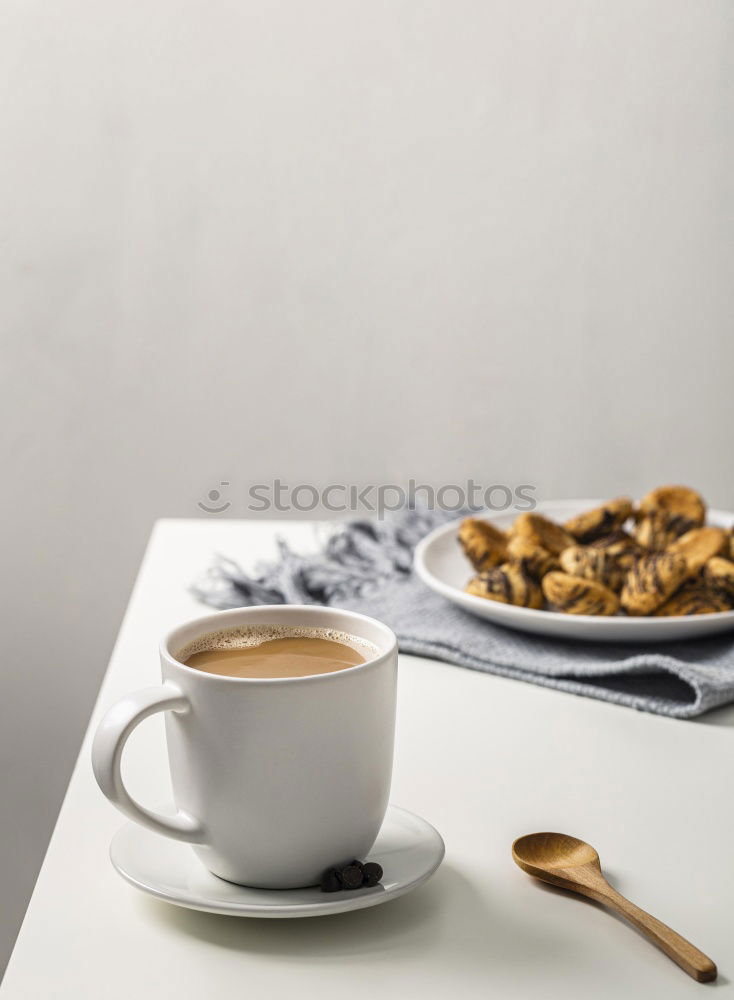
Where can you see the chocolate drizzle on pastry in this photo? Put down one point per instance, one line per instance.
(512, 583)
(485, 545)
(651, 581)
(592, 524)
(579, 597)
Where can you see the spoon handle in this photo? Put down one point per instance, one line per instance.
(688, 957)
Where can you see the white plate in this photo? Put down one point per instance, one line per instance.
(408, 848)
(441, 564)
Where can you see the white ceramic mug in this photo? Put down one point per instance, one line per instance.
(274, 779)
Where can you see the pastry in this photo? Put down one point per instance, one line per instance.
(592, 564)
(651, 581)
(719, 575)
(621, 545)
(600, 520)
(543, 532)
(538, 560)
(485, 546)
(657, 529)
(677, 501)
(698, 546)
(511, 583)
(696, 597)
(575, 596)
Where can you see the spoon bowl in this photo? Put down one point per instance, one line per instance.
(553, 850)
(570, 863)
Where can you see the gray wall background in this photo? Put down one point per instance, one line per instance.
(335, 241)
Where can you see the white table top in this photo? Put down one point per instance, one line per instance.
(484, 759)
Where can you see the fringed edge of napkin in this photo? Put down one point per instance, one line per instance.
(358, 558)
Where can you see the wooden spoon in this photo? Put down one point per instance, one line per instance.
(572, 864)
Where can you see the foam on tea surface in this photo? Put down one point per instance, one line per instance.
(271, 651)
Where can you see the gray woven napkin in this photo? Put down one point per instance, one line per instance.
(366, 566)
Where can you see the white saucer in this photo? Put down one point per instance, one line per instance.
(408, 848)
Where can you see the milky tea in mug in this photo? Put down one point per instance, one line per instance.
(276, 651)
(280, 727)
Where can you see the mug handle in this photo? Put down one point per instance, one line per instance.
(109, 742)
